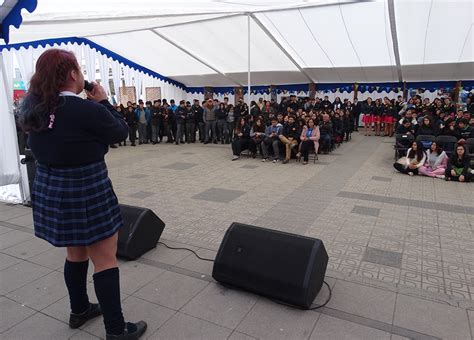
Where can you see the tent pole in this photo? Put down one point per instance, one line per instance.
(9, 96)
(248, 60)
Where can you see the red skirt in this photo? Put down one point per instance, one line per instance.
(376, 119)
(367, 119)
(389, 120)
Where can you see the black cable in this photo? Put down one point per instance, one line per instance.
(192, 251)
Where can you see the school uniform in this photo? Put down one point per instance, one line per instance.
(73, 200)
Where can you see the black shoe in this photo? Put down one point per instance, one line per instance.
(140, 328)
(206, 142)
(285, 161)
(177, 143)
(113, 146)
(77, 320)
(215, 142)
(133, 144)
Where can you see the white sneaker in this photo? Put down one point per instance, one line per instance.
(472, 172)
(441, 176)
(410, 173)
(234, 158)
(264, 159)
(276, 160)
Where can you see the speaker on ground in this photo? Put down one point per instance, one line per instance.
(282, 266)
(140, 232)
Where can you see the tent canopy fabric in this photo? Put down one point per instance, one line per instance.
(204, 42)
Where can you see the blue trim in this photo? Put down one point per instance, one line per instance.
(99, 48)
(14, 18)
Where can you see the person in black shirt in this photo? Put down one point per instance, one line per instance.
(326, 130)
(199, 122)
(426, 128)
(74, 204)
(356, 113)
(290, 137)
(326, 104)
(166, 117)
(132, 122)
(221, 114)
(155, 121)
(242, 138)
(190, 124)
(179, 117)
(458, 168)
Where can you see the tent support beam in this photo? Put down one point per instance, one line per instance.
(202, 61)
(393, 27)
(277, 43)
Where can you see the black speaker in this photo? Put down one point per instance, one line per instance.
(140, 232)
(282, 266)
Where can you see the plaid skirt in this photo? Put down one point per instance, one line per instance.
(74, 206)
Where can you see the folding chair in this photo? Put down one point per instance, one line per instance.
(447, 143)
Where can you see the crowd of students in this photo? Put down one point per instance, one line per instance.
(295, 126)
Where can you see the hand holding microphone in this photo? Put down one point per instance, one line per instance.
(94, 91)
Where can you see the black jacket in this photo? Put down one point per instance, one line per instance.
(291, 131)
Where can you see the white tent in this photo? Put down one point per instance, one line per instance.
(182, 46)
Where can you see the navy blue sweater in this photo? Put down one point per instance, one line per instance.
(81, 134)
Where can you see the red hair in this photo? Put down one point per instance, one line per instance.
(52, 70)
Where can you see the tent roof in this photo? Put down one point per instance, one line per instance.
(204, 42)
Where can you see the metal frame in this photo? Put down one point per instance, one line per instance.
(202, 61)
(393, 27)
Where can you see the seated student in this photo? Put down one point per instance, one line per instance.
(450, 129)
(272, 137)
(415, 158)
(464, 130)
(406, 128)
(289, 137)
(257, 134)
(309, 138)
(242, 138)
(458, 166)
(426, 128)
(436, 162)
(325, 129)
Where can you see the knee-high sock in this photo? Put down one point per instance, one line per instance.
(107, 289)
(75, 275)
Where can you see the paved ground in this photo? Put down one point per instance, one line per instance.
(401, 248)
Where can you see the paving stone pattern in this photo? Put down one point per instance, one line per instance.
(400, 248)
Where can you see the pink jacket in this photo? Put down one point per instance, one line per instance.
(314, 136)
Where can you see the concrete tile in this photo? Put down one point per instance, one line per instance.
(431, 318)
(12, 313)
(383, 257)
(23, 220)
(219, 195)
(184, 327)
(220, 305)
(19, 275)
(81, 335)
(168, 256)
(398, 337)
(39, 326)
(7, 261)
(28, 248)
(368, 211)
(41, 292)
(198, 265)
(180, 166)
(53, 258)
(364, 301)
(14, 237)
(134, 310)
(3, 229)
(14, 212)
(142, 194)
(171, 290)
(239, 336)
(470, 315)
(331, 328)
(135, 275)
(268, 320)
(381, 179)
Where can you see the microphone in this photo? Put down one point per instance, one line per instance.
(88, 86)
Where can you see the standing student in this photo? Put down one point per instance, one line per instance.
(179, 117)
(190, 124)
(367, 109)
(143, 116)
(209, 117)
(132, 122)
(73, 201)
(155, 121)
